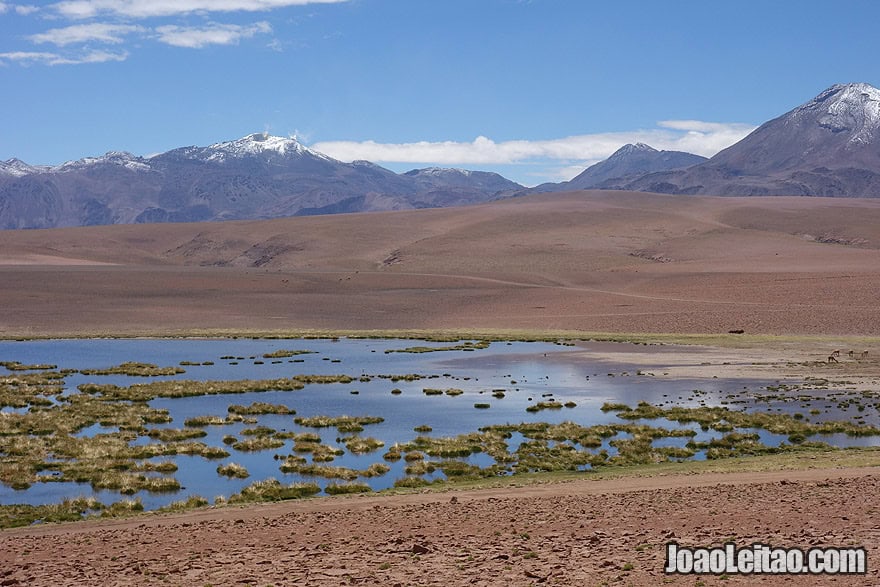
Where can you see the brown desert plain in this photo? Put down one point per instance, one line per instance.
(799, 276)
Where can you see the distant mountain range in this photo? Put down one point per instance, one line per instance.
(626, 164)
(829, 146)
(257, 176)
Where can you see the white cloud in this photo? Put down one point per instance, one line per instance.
(154, 8)
(674, 135)
(36, 57)
(84, 33)
(25, 9)
(212, 34)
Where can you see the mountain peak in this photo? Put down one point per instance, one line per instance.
(259, 143)
(853, 109)
(631, 148)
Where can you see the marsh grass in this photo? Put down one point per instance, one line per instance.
(274, 490)
(723, 419)
(260, 408)
(362, 444)
(347, 488)
(544, 406)
(257, 443)
(199, 421)
(344, 424)
(16, 366)
(135, 369)
(286, 354)
(464, 346)
(233, 470)
(69, 510)
(175, 434)
(190, 503)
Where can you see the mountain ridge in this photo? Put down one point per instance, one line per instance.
(255, 176)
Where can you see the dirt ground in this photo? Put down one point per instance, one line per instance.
(588, 261)
(573, 533)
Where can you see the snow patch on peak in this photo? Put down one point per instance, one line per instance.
(18, 168)
(852, 108)
(439, 171)
(255, 144)
(120, 158)
(630, 148)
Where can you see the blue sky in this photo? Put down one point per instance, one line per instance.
(535, 90)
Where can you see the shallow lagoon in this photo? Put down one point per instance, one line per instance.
(527, 372)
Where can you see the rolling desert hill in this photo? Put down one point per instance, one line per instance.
(593, 261)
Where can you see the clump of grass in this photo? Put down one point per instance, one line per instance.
(135, 369)
(482, 406)
(465, 346)
(411, 482)
(257, 443)
(375, 470)
(313, 470)
(423, 428)
(544, 406)
(199, 421)
(341, 423)
(362, 444)
(69, 510)
(345, 488)
(16, 366)
(285, 354)
(260, 408)
(175, 434)
(259, 431)
(274, 490)
(233, 470)
(432, 391)
(125, 507)
(190, 503)
(453, 392)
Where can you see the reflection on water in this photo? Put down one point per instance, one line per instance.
(523, 373)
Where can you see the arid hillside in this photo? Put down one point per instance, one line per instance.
(592, 261)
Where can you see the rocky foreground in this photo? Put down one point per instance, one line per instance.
(575, 533)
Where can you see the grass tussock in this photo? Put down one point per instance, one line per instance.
(233, 470)
(274, 490)
(346, 488)
(135, 369)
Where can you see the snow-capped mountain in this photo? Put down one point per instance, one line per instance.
(16, 168)
(256, 176)
(829, 146)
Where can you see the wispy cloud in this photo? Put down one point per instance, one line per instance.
(43, 58)
(21, 9)
(212, 34)
(84, 33)
(673, 135)
(566, 157)
(156, 8)
(115, 22)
